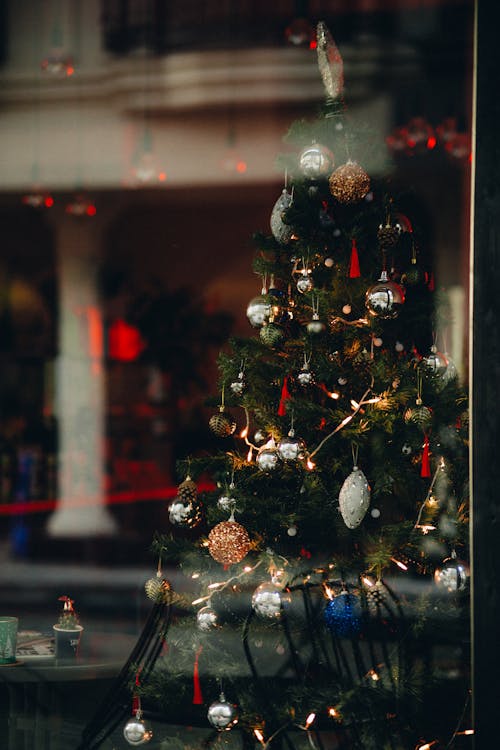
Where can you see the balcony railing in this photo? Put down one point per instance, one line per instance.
(160, 26)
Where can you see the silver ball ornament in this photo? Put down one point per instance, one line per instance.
(183, 512)
(384, 299)
(207, 619)
(226, 503)
(453, 575)
(258, 311)
(238, 386)
(305, 283)
(291, 448)
(315, 325)
(316, 161)
(136, 732)
(436, 362)
(268, 601)
(222, 715)
(305, 377)
(267, 458)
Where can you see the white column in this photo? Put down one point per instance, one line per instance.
(80, 386)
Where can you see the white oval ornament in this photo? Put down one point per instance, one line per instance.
(354, 498)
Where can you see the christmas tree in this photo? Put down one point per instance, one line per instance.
(325, 587)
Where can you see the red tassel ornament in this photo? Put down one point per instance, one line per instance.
(426, 464)
(285, 396)
(197, 695)
(354, 272)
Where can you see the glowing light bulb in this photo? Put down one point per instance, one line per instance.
(259, 735)
(399, 564)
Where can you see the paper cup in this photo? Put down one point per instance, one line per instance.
(67, 642)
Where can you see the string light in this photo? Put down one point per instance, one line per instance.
(332, 712)
(399, 564)
(221, 585)
(310, 720)
(244, 432)
(259, 736)
(310, 464)
(425, 528)
(367, 581)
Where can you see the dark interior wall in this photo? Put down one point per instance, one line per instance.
(200, 239)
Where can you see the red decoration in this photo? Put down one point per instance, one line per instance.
(197, 696)
(285, 396)
(426, 464)
(124, 342)
(136, 699)
(354, 272)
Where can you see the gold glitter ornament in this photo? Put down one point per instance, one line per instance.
(349, 183)
(228, 542)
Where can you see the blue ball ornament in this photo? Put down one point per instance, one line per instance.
(343, 615)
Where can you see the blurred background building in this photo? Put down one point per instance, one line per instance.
(139, 147)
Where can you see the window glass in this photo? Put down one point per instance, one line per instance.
(233, 393)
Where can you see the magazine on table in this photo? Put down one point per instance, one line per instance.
(32, 644)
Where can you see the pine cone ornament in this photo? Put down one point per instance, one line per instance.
(187, 490)
(388, 235)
